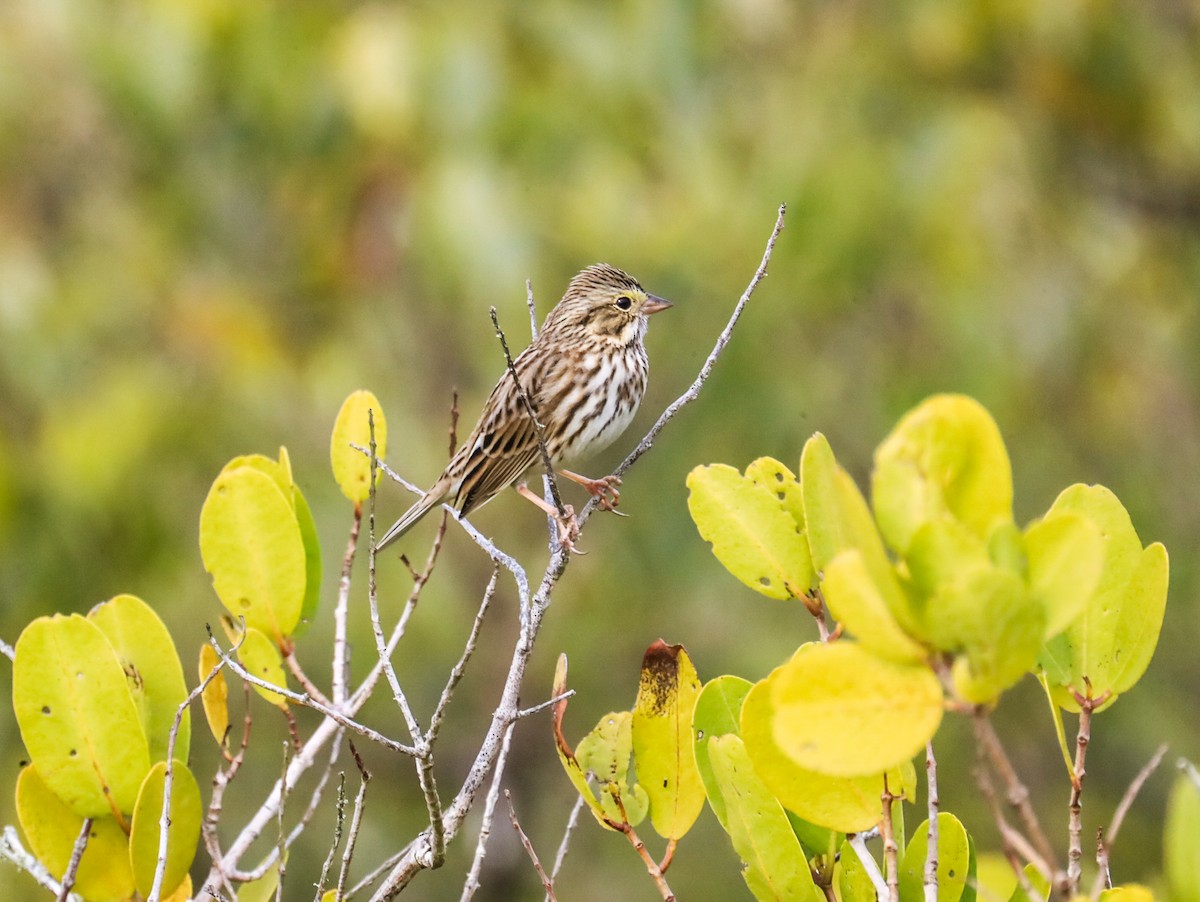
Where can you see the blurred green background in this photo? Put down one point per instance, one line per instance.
(219, 218)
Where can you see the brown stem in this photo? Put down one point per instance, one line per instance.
(891, 851)
(1102, 848)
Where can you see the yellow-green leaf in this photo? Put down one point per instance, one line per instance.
(776, 478)
(718, 711)
(1181, 840)
(576, 772)
(1111, 642)
(251, 544)
(844, 804)
(776, 867)
(351, 468)
(945, 457)
(662, 739)
(751, 533)
(1065, 553)
(858, 603)
(183, 831)
(995, 876)
(606, 752)
(312, 561)
(51, 828)
(280, 470)
(853, 881)
(77, 718)
(264, 889)
(954, 861)
(260, 657)
(843, 711)
(152, 669)
(837, 519)
(215, 697)
(1128, 892)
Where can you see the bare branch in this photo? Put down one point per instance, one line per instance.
(533, 317)
(7, 650)
(1070, 886)
(533, 857)
(340, 811)
(1103, 878)
(565, 843)
(933, 803)
(859, 845)
(81, 841)
(485, 826)
(12, 850)
(355, 822)
(891, 851)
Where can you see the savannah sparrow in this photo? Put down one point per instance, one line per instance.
(585, 373)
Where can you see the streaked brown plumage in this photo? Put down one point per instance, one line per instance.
(586, 374)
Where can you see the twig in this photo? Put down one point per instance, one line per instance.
(1103, 848)
(12, 850)
(471, 885)
(565, 843)
(1017, 848)
(1017, 793)
(933, 804)
(1075, 816)
(81, 841)
(341, 662)
(533, 857)
(891, 851)
(533, 317)
(858, 844)
(338, 824)
(7, 650)
(355, 822)
(281, 842)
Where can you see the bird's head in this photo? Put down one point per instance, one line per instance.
(607, 303)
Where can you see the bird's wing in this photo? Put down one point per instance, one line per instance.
(503, 444)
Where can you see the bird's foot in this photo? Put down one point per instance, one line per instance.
(604, 490)
(568, 529)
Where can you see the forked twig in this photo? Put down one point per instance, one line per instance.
(1104, 847)
(529, 850)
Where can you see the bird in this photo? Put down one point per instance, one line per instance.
(585, 374)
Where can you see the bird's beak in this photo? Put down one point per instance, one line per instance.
(655, 304)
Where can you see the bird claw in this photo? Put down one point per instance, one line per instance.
(568, 529)
(601, 489)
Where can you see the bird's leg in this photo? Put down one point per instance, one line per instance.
(568, 529)
(599, 488)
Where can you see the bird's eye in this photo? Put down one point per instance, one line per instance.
(624, 303)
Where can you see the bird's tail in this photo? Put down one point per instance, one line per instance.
(409, 519)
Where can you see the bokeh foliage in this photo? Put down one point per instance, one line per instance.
(217, 219)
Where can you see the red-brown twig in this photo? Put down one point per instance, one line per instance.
(533, 856)
(1103, 879)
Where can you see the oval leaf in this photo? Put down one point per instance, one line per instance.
(1065, 554)
(51, 829)
(251, 545)
(260, 657)
(751, 534)
(77, 718)
(776, 867)
(152, 668)
(352, 468)
(954, 861)
(945, 456)
(662, 739)
(1181, 840)
(844, 804)
(841, 710)
(215, 696)
(858, 604)
(718, 711)
(183, 830)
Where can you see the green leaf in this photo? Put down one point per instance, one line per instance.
(843, 711)
(264, 889)
(215, 697)
(77, 718)
(954, 860)
(718, 710)
(1112, 640)
(662, 739)
(843, 804)
(995, 877)
(945, 457)
(1065, 554)
(183, 831)
(576, 772)
(940, 552)
(51, 828)
(252, 546)
(152, 669)
(1129, 892)
(260, 657)
(1181, 840)
(312, 562)
(751, 533)
(776, 867)
(776, 478)
(351, 468)
(989, 616)
(854, 883)
(606, 752)
(857, 602)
